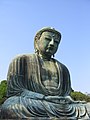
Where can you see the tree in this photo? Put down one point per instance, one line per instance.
(3, 90)
(80, 96)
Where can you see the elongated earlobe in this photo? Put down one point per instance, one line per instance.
(36, 51)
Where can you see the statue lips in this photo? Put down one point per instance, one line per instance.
(50, 48)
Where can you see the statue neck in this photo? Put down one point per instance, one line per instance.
(44, 57)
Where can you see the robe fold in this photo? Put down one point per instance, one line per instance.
(24, 73)
(26, 91)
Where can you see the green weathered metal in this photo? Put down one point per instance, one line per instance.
(39, 86)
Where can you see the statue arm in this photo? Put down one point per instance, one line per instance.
(17, 79)
(32, 95)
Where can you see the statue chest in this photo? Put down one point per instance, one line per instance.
(49, 74)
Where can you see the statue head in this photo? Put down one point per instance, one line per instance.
(46, 41)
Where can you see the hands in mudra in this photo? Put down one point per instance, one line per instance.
(61, 99)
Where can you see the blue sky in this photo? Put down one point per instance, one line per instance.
(21, 19)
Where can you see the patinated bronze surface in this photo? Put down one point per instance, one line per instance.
(39, 85)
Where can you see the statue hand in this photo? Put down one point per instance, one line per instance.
(54, 99)
(61, 99)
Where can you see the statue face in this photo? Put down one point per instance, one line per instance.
(48, 43)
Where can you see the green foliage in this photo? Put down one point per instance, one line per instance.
(3, 89)
(80, 96)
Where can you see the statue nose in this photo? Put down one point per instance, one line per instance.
(51, 42)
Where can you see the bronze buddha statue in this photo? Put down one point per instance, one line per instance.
(39, 85)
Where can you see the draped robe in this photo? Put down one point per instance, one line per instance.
(26, 92)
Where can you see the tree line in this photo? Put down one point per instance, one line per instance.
(74, 94)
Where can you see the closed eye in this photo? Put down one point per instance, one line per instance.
(49, 39)
(56, 41)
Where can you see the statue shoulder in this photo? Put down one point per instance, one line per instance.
(19, 63)
(22, 57)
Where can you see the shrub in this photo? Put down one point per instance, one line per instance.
(3, 90)
(80, 96)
